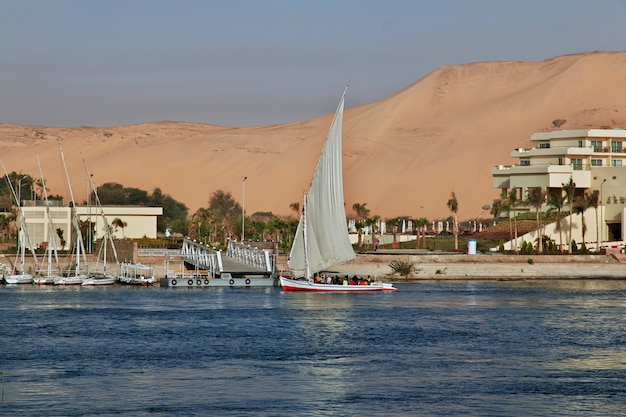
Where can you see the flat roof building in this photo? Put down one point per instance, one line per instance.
(138, 221)
(593, 158)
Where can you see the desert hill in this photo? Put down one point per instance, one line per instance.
(403, 155)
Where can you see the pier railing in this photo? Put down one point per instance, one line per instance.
(202, 256)
(259, 258)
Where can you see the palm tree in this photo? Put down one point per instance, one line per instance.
(581, 204)
(594, 200)
(295, 206)
(569, 188)
(362, 212)
(536, 197)
(496, 209)
(556, 202)
(117, 222)
(453, 205)
(421, 223)
(372, 222)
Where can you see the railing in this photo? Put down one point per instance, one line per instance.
(157, 252)
(259, 258)
(202, 256)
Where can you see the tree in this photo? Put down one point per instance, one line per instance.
(295, 206)
(112, 193)
(174, 212)
(536, 197)
(512, 203)
(581, 204)
(372, 222)
(594, 201)
(119, 223)
(453, 205)
(361, 211)
(421, 224)
(225, 211)
(496, 209)
(569, 188)
(556, 200)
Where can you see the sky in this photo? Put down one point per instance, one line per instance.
(68, 63)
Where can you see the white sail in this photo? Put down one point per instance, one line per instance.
(322, 238)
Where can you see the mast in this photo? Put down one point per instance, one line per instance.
(307, 268)
(80, 247)
(51, 238)
(323, 220)
(23, 230)
(104, 219)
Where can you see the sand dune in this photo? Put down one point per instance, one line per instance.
(403, 155)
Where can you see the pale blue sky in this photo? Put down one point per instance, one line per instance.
(245, 62)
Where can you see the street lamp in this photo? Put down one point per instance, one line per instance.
(601, 216)
(243, 209)
(19, 190)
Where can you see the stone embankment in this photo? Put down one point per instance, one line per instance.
(490, 267)
(445, 266)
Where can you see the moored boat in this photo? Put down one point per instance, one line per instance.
(322, 238)
(98, 279)
(18, 279)
(136, 274)
(307, 285)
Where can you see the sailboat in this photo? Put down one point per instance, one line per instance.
(322, 239)
(96, 276)
(77, 276)
(19, 276)
(47, 277)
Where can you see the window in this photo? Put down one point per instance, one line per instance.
(577, 164)
(544, 145)
(580, 143)
(616, 146)
(561, 161)
(616, 163)
(524, 162)
(596, 162)
(596, 145)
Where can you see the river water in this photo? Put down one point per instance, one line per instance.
(540, 348)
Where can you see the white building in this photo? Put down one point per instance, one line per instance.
(593, 158)
(139, 221)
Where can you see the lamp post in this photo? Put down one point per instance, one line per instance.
(243, 209)
(601, 216)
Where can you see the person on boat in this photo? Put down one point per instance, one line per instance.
(329, 280)
(352, 281)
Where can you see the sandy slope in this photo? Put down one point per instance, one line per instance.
(403, 155)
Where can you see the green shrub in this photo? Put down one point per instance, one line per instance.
(403, 268)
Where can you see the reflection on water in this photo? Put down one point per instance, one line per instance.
(434, 348)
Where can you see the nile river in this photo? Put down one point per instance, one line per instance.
(540, 348)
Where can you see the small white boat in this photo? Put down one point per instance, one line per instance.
(99, 279)
(322, 238)
(18, 279)
(71, 280)
(46, 279)
(136, 274)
